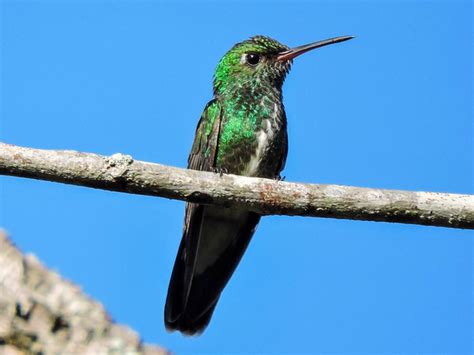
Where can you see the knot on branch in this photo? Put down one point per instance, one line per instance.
(117, 165)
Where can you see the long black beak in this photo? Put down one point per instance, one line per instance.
(294, 52)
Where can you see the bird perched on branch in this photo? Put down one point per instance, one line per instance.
(241, 131)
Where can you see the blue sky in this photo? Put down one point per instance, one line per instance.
(389, 109)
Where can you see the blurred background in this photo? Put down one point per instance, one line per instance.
(390, 109)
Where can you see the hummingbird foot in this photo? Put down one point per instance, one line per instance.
(280, 178)
(220, 170)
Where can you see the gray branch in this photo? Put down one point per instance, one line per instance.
(124, 174)
(41, 313)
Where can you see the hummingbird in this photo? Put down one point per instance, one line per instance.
(242, 131)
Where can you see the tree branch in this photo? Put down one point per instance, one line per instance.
(121, 173)
(41, 313)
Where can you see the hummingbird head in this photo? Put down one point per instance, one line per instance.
(251, 64)
(259, 62)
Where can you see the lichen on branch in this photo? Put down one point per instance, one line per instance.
(124, 174)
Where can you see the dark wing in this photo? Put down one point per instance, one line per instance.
(202, 157)
(204, 150)
(214, 240)
(284, 148)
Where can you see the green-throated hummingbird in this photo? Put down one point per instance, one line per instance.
(241, 131)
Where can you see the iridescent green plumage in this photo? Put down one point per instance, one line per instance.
(246, 96)
(241, 131)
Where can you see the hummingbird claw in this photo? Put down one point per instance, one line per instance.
(220, 170)
(280, 178)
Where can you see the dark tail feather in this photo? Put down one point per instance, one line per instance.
(192, 326)
(192, 300)
(182, 275)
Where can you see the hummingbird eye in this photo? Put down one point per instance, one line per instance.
(252, 59)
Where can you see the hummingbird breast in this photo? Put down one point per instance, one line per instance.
(253, 139)
(264, 140)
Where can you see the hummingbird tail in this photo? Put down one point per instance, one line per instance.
(191, 326)
(213, 243)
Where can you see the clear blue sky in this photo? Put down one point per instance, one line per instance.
(390, 109)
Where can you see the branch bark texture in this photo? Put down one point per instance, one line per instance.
(41, 313)
(124, 174)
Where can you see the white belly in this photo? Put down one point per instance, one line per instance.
(264, 139)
